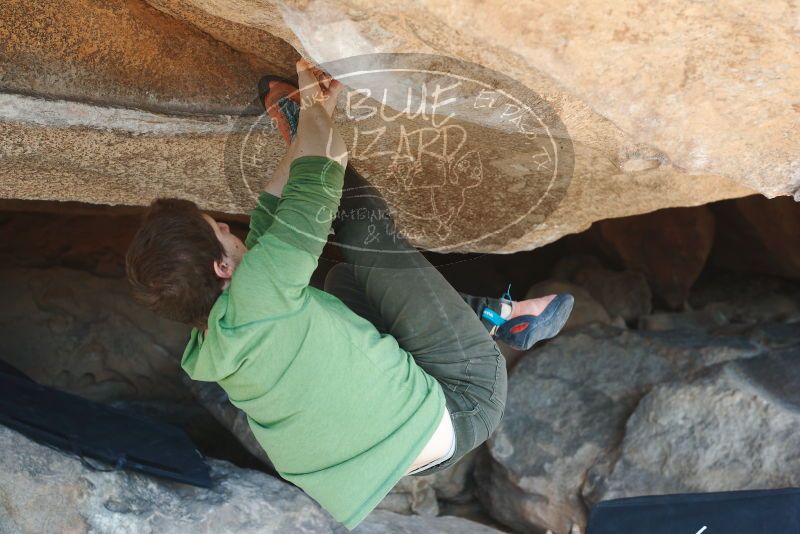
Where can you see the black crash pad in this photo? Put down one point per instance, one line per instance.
(93, 430)
(729, 512)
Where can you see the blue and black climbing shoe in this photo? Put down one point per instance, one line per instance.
(524, 331)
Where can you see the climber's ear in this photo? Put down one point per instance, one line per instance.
(224, 268)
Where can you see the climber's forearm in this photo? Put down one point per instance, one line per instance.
(281, 174)
(317, 135)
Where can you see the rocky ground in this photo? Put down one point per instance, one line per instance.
(604, 412)
(47, 491)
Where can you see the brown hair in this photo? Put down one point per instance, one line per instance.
(169, 263)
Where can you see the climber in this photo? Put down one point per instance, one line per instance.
(389, 371)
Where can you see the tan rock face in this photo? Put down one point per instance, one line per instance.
(713, 85)
(125, 53)
(669, 104)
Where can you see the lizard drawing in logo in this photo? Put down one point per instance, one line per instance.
(439, 184)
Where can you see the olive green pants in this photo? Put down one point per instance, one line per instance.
(388, 282)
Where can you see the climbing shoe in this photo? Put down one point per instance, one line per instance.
(281, 100)
(524, 331)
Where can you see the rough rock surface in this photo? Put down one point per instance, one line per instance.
(84, 334)
(622, 293)
(586, 309)
(57, 239)
(736, 429)
(691, 320)
(45, 490)
(766, 229)
(119, 102)
(708, 84)
(670, 247)
(591, 50)
(566, 411)
(127, 54)
(748, 300)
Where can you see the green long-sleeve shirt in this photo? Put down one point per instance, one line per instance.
(341, 410)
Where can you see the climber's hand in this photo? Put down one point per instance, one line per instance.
(317, 134)
(317, 86)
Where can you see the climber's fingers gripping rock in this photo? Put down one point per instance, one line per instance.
(317, 86)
